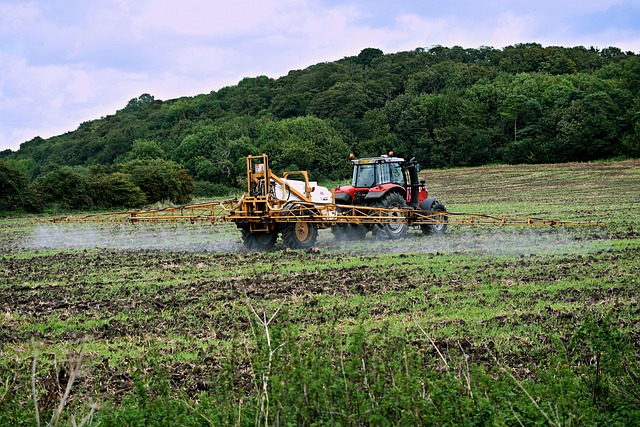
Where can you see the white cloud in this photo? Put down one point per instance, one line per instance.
(206, 18)
(15, 17)
(510, 27)
(65, 62)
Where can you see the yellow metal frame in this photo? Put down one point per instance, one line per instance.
(201, 212)
(261, 211)
(262, 215)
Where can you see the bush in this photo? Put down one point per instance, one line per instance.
(116, 189)
(16, 194)
(64, 188)
(161, 180)
(210, 189)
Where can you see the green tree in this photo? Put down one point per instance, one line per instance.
(161, 180)
(201, 143)
(286, 105)
(114, 190)
(525, 102)
(379, 139)
(624, 74)
(136, 104)
(239, 149)
(64, 188)
(305, 143)
(588, 129)
(16, 193)
(367, 56)
(448, 76)
(418, 120)
(461, 145)
(522, 58)
(631, 141)
(342, 100)
(251, 96)
(143, 149)
(318, 78)
(207, 155)
(521, 115)
(558, 63)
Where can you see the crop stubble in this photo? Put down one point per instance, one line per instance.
(507, 293)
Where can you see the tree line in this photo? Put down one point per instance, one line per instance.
(448, 107)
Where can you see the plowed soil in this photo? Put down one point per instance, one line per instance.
(179, 300)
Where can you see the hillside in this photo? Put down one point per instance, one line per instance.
(445, 106)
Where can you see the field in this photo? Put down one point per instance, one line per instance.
(179, 325)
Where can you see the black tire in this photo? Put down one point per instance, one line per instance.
(299, 235)
(435, 229)
(258, 241)
(392, 231)
(348, 232)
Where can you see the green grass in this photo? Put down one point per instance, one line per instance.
(482, 326)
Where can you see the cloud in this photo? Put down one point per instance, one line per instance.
(53, 98)
(65, 62)
(203, 18)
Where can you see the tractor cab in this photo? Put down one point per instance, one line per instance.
(373, 172)
(374, 177)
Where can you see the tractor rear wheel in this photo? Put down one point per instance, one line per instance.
(393, 230)
(299, 234)
(436, 228)
(263, 241)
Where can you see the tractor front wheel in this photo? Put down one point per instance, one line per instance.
(349, 232)
(346, 232)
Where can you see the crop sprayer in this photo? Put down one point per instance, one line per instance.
(385, 197)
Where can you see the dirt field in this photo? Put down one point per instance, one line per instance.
(176, 302)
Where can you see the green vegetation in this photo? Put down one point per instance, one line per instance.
(492, 326)
(16, 194)
(446, 106)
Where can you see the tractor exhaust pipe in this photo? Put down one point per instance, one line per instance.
(412, 167)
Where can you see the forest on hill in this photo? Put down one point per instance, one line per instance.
(448, 107)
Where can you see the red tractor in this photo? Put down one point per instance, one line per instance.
(386, 182)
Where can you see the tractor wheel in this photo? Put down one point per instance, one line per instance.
(436, 228)
(348, 232)
(392, 231)
(299, 235)
(258, 241)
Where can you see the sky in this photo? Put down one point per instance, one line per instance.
(64, 62)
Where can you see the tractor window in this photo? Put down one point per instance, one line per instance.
(397, 176)
(385, 173)
(364, 176)
(391, 172)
